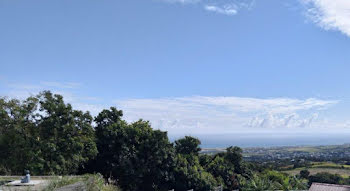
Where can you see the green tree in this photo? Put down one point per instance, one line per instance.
(234, 156)
(284, 181)
(188, 145)
(304, 174)
(109, 146)
(18, 135)
(223, 172)
(66, 136)
(257, 183)
(325, 177)
(189, 174)
(45, 135)
(139, 157)
(271, 180)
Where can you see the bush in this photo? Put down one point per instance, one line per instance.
(325, 177)
(304, 174)
(60, 182)
(96, 182)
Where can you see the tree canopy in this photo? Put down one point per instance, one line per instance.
(45, 135)
(188, 145)
(135, 154)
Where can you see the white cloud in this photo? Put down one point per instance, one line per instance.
(62, 85)
(66, 89)
(292, 120)
(226, 7)
(223, 114)
(182, 1)
(330, 14)
(199, 114)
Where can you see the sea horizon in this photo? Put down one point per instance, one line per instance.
(277, 140)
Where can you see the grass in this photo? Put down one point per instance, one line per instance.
(96, 182)
(89, 182)
(92, 182)
(333, 168)
(303, 149)
(2, 182)
(329, 165)
(60, 182)
(343, 172)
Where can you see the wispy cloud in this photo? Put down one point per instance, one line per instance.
(197, 114)
(329, 14)
(182, 1)
(67, 89)
(224, 114)
(226, 7)
(62, 85)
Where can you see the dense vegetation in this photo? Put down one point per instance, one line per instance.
(44, 135)
(47, 136)
(88, 182)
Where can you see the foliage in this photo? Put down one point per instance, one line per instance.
(257, 183)
(66, 135)
(18, 143)
(234, 156)
(188, 146)
(96, 182)
(223, 171)
(272, 180)
(304, 174)
(60, 182)
(189, 174)
(135, 154)
(88, 182)
(325, 177)
(284, 181)
(45, 135)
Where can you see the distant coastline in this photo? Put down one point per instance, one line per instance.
(270, 140)
(296, 147)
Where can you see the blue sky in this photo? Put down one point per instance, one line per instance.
(188, 66)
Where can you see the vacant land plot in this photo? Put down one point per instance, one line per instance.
(342, 172)
(303, 149)
(329, 165)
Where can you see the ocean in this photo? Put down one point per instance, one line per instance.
(269, 140)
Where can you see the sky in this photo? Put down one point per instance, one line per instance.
(188, 66)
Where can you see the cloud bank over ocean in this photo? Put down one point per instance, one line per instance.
(225, 114)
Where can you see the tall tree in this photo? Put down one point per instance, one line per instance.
(45, 135)
(304, 173)
(139, 157)
(108, 123)
(66, 135)
(223, 171)
(234, 156)
(188, 145)
(18, 135)
(189, 174)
